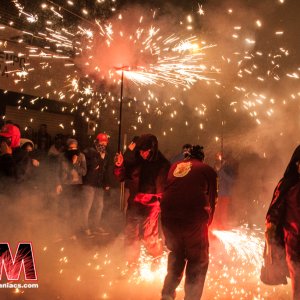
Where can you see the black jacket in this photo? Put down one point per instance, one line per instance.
(191, 192)
(284, 213)
(144, 176)
(15, 166)
(97, 168)
(8, 166)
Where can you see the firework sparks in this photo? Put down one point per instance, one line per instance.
(234, 269)
(246, 245)
(153, 59)
(157, 56)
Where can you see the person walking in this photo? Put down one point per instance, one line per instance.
(187, 209)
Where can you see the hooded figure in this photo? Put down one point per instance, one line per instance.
(26, 144)
(283, 230)
(147, 175)
(71, 169)
(12, 133)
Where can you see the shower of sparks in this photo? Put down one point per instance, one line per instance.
(234, 269)
(151, 58)
(157, 56)
(200, 10)
(243, 243)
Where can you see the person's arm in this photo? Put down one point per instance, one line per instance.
(108, 163)
(80, 165)
(276, 208)
(275, 211)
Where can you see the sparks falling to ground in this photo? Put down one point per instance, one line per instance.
(234, 270)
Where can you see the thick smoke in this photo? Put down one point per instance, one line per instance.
(91, 269)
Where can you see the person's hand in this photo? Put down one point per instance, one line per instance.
(270, 231)
(131, 146)
(5, 149)
(119, 159)
(74, 159)
(107, 188)
(59, 189)
(35, 162)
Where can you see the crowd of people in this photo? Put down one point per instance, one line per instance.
(74, 175)
(167, 203)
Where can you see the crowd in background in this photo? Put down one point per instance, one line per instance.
(59, 167)
(181, 194)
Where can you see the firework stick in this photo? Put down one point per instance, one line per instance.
(122, 187)
(120, 113)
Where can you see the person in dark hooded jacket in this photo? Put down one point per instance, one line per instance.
(147, 177)
(283, 223)
(187, 209)
(71, 169)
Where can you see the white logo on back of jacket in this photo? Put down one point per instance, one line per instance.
(182, 169)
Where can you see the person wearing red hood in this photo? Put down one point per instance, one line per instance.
(147, 176)
(14, 163)
(283, 230)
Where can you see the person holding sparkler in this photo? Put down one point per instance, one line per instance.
(283, 230)
(147, 181)
(187, 209)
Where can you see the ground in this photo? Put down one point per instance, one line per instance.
(95, 268)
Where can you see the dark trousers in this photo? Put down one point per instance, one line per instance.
(142, 224)
(92, 209)
(188, 245)
(71, 206)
